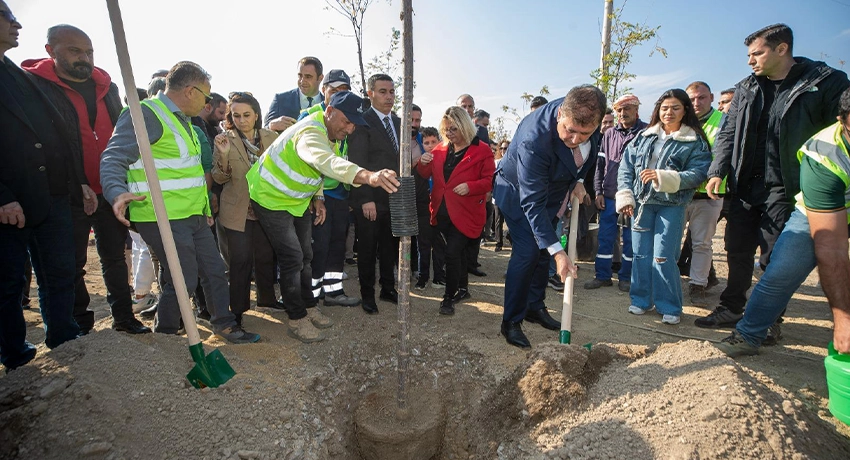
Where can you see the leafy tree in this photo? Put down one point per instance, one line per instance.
(625, 37)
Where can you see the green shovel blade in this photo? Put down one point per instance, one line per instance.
(211, 370)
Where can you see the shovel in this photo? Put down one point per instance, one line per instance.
(567, 311)
(211, 370)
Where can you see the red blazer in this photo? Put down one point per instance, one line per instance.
(468, 213)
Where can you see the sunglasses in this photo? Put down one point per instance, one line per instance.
(239, 94)
(9, 16)
(207, 97)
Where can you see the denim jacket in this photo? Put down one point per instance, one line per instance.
(682, 166)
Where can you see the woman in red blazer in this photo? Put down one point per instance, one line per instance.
(462, 167)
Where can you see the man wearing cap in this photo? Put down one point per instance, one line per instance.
(614, 143)
(287, 180)
(329, 236)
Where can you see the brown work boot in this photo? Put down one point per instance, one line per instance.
(303, 330)
(318, 318)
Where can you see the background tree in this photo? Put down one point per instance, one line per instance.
(625, 36)
(389, 62)
(498, 126)
(353, 11)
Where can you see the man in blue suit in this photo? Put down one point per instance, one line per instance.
(285, 107)
(551, 153)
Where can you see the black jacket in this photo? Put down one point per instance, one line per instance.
(23, 175)
(808, 106)
(371, 148)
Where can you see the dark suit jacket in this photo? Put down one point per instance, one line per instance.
(23, 175)
(371, 148)
(537, 171)
(287, 104)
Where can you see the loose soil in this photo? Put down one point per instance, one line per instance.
(644, 390)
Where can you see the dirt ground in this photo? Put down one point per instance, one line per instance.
(645, 390)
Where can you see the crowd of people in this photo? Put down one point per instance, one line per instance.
(289, 198)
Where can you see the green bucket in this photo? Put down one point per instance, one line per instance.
(838, 382)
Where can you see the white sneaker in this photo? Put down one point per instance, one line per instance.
(140, 305)
(670, 319)
(639, 311)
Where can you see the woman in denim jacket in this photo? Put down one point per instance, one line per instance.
(661, 169)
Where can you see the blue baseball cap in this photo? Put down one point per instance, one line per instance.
(336, 78)
(351, 105)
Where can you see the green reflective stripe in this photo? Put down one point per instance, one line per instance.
(168, 185)
(138, 175)
(267, 175)
(828, 149)
(164, 116)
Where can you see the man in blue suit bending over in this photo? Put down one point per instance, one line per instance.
(552, 150)
(286, 107)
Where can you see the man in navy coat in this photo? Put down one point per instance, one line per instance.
(286, 107)
(551, 153)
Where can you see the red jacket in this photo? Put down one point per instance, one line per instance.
(93, 142)
(468, 213)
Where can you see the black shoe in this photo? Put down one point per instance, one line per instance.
(149, 313)
(462, 293)
(341, 300)
(389, 295)
(514, 335)
(447, 308)
(555, 283)
(421, 284)
(278, 305)
(476, 272)
(438, 283)
(542, 318)
(774, 334)
(131, 326)
(370, 307)
(350, 261)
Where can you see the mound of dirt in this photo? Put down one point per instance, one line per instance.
(681, 401)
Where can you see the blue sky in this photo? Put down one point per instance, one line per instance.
(495, 50)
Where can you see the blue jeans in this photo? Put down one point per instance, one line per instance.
(607, 237)
(50, 246)
(657, 240)
(792, 260)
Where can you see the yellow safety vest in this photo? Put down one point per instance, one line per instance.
(280, 180)
(331, 183)
(711, 127)
(828, 148)
(177, 156)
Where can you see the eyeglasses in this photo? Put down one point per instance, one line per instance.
(452, 130)
(9, 16)
(207, 97)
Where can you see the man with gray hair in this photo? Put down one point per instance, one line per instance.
(176, 149)
(89, 103)
(531, 187)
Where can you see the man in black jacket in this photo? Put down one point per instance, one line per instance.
(90, 105)
(773, 112)
(39, 175)
(376, 147)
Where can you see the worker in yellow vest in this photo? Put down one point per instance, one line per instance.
(816, 235)
(288, 180)
(702, 213)
(176, 151)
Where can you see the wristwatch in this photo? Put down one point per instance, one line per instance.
(319, 197)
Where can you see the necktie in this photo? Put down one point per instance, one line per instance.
(309, 102)
(577, 157)
(390, 133)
